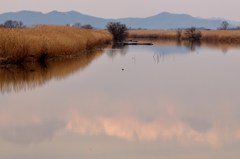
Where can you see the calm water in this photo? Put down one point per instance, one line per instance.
(140, 102)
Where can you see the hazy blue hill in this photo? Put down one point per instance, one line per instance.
(73, 17)
(167, 20)
(163, 20)
(59, 18)
(28, 17)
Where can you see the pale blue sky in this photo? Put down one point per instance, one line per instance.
(130, 8)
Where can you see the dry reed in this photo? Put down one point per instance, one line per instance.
(222, 36)
(152, 34)
(31, 44)
(212, 36)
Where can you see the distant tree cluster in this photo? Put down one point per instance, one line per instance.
(86, 26)
(237, 28)
(224, 25)
(12, 24)
(77, 24)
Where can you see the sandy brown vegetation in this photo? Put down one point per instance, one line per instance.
(41, 42)
(212, 36)
(224, 36)
(153, 34)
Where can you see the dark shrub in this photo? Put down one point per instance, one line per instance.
(224, 25)
(118, 30)
(87, 26)
(192, 34)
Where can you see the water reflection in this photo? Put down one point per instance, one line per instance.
(186, 131)
(29, 76)
(147, 111)
(192, 46)
(33, 133)
(132, 129)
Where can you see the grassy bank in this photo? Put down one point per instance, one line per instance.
(211, 36)
(45, 42)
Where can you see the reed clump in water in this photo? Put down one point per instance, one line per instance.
(40, 42)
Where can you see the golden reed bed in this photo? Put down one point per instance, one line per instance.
(215, 36)
(37, 43)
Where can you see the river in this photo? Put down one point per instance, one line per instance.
(138, 102)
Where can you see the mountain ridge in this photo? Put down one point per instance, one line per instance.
(163, 20)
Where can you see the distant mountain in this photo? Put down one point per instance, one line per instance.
(163, 20)
(30, 18)
(167, 20)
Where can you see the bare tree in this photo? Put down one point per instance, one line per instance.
(224, 25)
(118, 30)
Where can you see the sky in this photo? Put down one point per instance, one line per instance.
(227, 9)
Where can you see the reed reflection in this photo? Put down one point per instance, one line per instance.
(187, 103)
(30, 76)
(192, 46)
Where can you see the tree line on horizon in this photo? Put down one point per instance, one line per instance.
(19, 24)
(13, 24)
